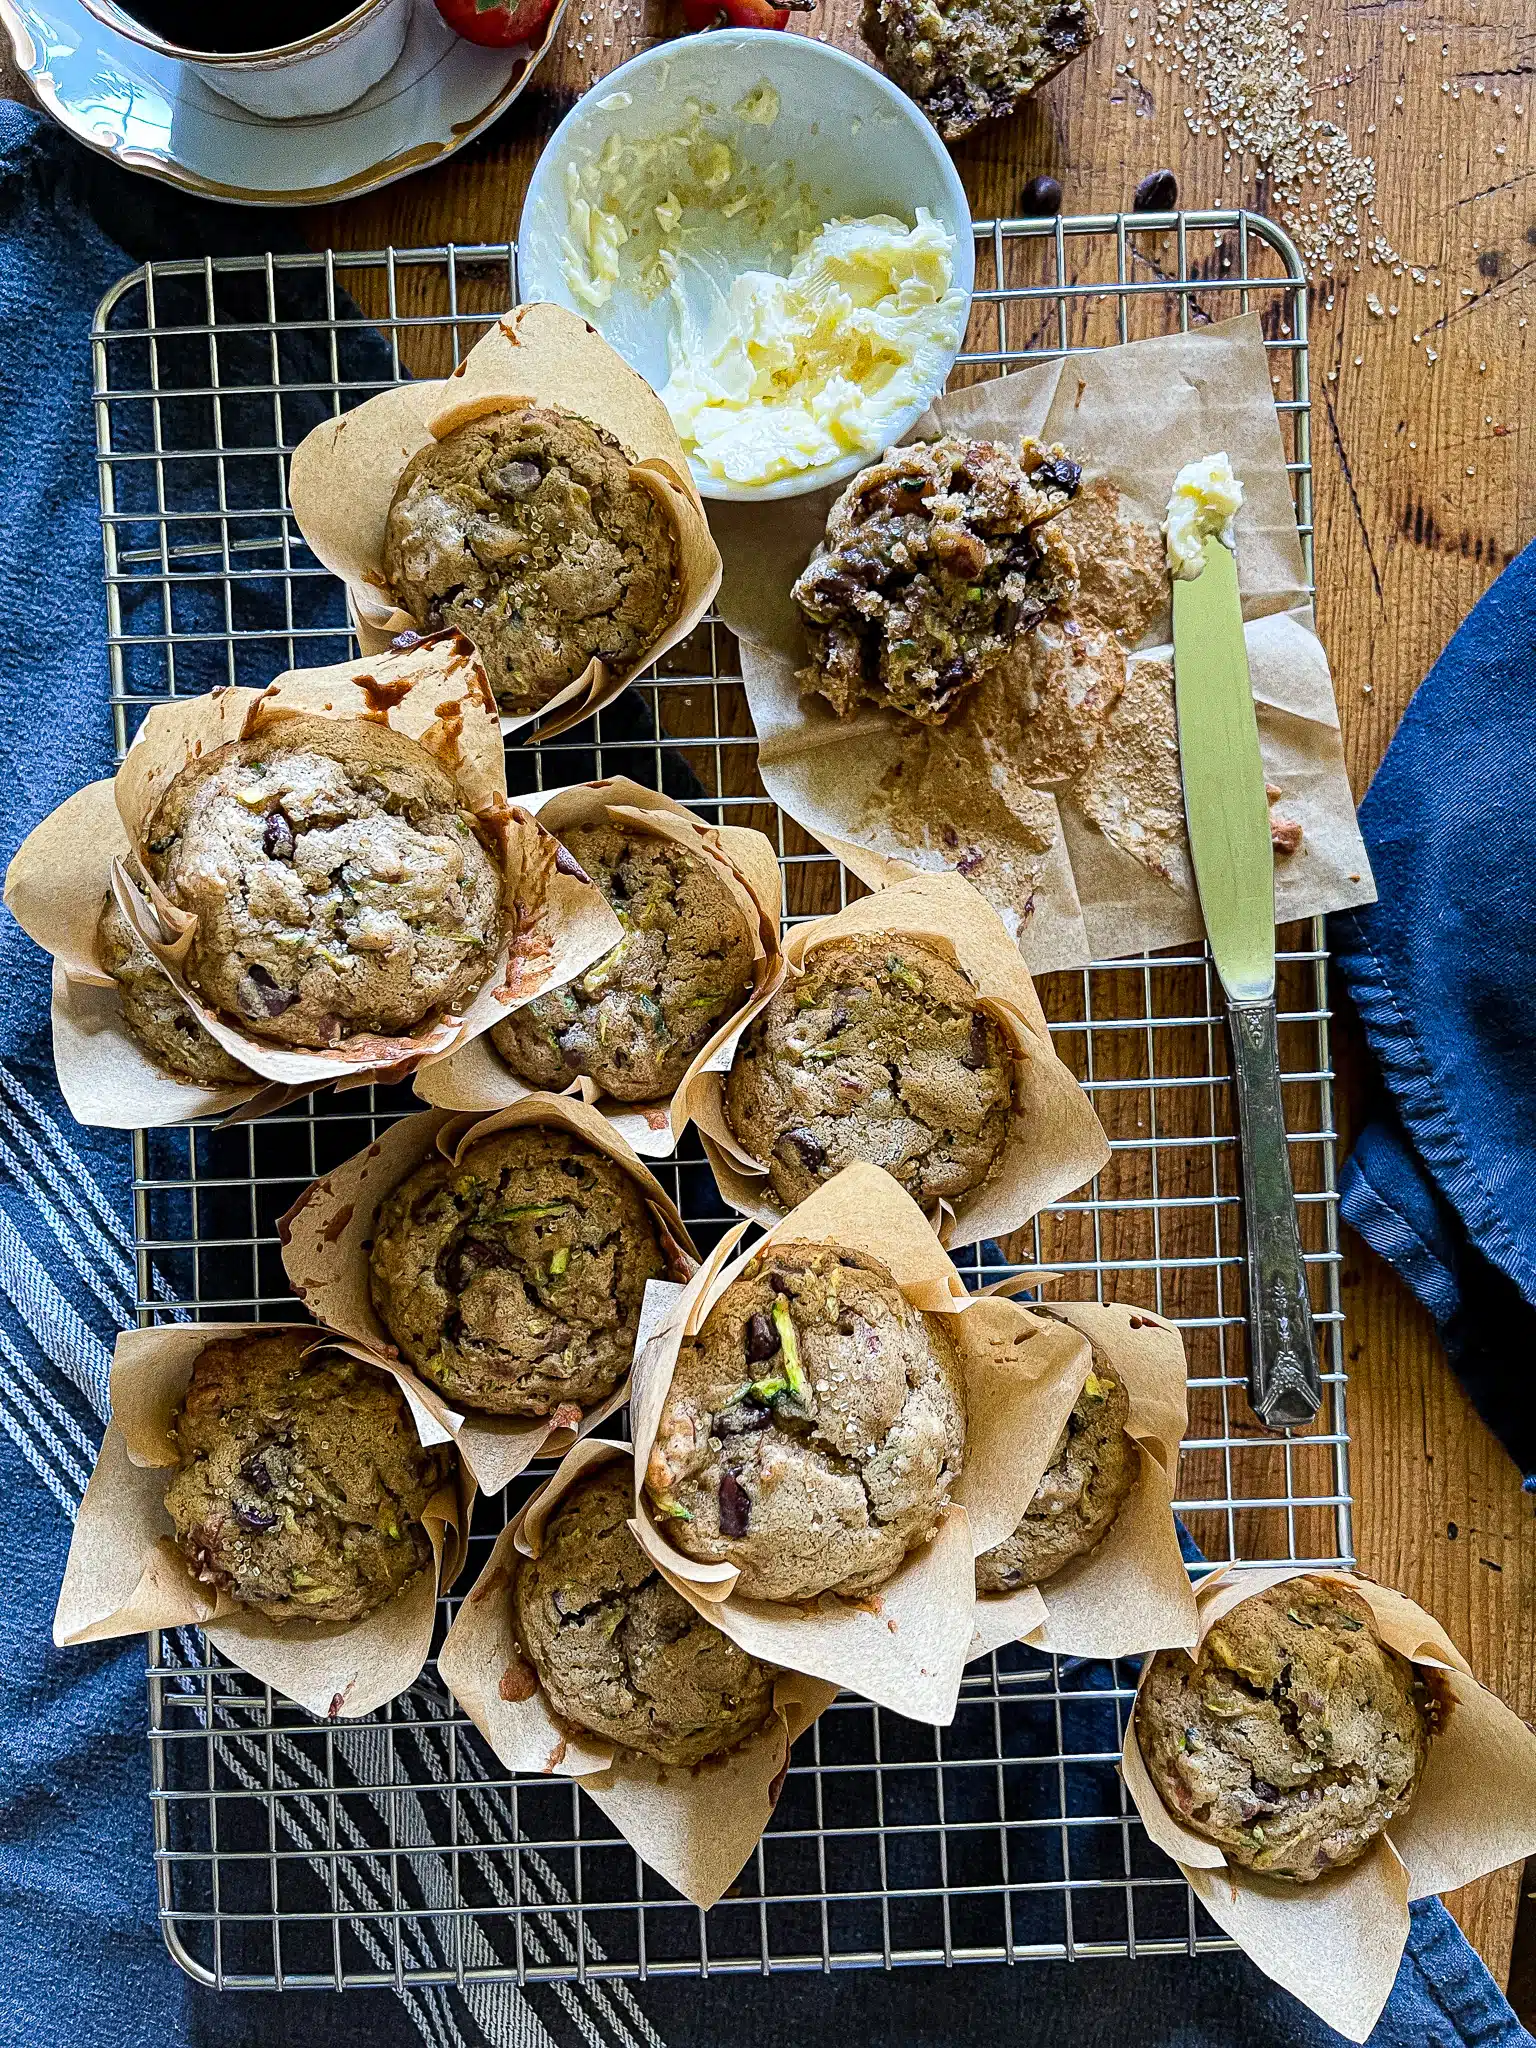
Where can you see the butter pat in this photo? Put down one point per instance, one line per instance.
(1205, 502)
(792, 372)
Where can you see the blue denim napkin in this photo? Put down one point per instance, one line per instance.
(81, 1960)
(1442, 968)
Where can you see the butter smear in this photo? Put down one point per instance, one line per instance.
(794, 340)
(794, 372)
(1205, 502)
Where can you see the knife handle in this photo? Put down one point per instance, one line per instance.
(1284, 1386)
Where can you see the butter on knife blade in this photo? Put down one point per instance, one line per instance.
(1226, 810)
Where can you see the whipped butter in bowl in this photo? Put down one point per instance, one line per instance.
(772, 234)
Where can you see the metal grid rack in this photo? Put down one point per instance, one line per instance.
(397, 1850)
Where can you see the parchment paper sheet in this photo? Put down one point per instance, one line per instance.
(906, 1645)
(1132, 415)
(477, 1077)
(344, 474)
(696, 1827)
(1055, 1141)
(436, 695)
(327, 1234)
(1131, 1593)
(124, 1573)
(1336, 1943)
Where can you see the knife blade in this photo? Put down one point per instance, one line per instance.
(1226, 809)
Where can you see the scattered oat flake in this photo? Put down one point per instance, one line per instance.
(1243, 61)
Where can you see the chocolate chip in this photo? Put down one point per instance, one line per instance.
(255, 1473)
(250, 1515)
(1040, 197)
(277, 837)
(811, 1150)
(778, 1281)
(1158, 192)
(1057, 473)
(568, 864)
(260, 995)
(760, 1337)
(1262, 1789)
(742, 1420)
(519, 479)
(976, 1059)
(735, 1506)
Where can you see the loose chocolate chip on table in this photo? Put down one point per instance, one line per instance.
(1040, 197)
(1158, 192)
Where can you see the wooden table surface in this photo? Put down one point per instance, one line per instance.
(1424, 488)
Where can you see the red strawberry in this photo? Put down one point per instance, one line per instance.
(499, 24)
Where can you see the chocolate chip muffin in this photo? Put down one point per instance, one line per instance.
(512, 1282)
(526, 531)
(1293, 1737)
(339, 886)
(1092, 1473)
(936, 558)
(617, 1651)
(878, 1052)
(813, 1430)
(302, 1482)
(634, 1021)
(156, 1016)
(969, 63)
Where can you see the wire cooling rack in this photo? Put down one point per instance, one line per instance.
(398, 1850)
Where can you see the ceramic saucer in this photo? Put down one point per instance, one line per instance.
(152, 114)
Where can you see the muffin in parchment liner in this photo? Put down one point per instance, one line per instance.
(125, 1573)
(694, 1824)
(329, 1233)
(1130, 1591)
(904, 1644)
(1053, 1142)
(1336, 1942)
(345, 475)
(742, 861)
(430, 702)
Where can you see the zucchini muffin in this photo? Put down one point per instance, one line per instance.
(617, 1651)
(157, 1018)
(302, 1483)
(527, 532)
(936, 558)
(338, 884)
(1293, 1737)
(975, 60)
(814, 1428)
(1092, 1473)
(879, 1052)
(512, 1282)
(633, 1022)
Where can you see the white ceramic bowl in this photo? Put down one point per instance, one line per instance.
(855, 140)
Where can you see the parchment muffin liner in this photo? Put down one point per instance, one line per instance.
(436, 695)
(1336, 1943)
(125, 1574)
(477, 1077)
(905, 1646)
(327, 1234)
(1131, 1593)
(1055, 1141)
(696, 1826)
(344, 474)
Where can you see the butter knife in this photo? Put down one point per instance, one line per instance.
(1227, 810)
